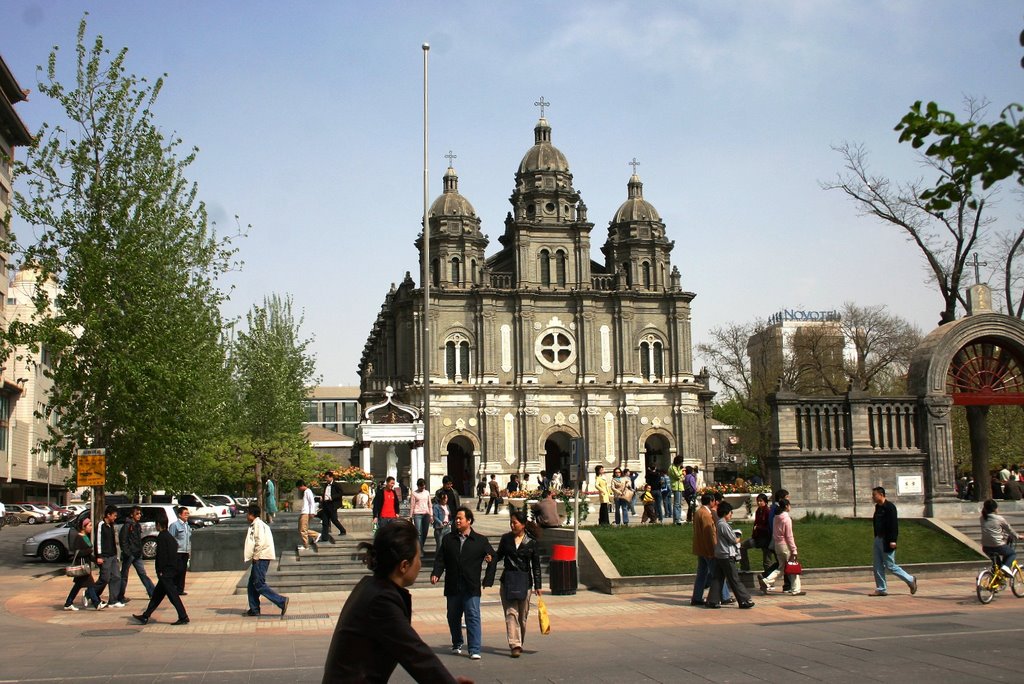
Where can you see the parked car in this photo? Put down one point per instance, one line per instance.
(53, 545)
(223, 500)
(27, 514)
(62, 514)
(77, 508)
(47, 513)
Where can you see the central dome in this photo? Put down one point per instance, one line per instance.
(636, 208)
(451, 202)
(543, 156)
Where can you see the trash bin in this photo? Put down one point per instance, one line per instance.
(564, 578)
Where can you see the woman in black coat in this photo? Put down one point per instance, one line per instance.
(81, 545)
(374, 632)
(518, 548)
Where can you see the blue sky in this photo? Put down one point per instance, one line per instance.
(309, 123)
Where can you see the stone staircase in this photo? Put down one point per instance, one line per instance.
(336, 567)
(971, 527)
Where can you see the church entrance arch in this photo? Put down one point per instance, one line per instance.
(657, 451)
(556, 455)
(976, 361)
(460, 464)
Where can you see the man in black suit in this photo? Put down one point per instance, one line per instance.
(462, 555)
(329, 501)
(167, 577)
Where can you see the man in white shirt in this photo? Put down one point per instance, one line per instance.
(259, 551)
(306, 511)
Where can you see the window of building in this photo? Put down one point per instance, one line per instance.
(5, 415)
(309, 408)
(456, 272)
(652, 362)
(545, 267)
(435, 274)
(629, 273)
(555, 348)
(646, 268)
(456, 358)
(560, 260)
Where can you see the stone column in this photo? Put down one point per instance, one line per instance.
(365, 461)
(937, 441)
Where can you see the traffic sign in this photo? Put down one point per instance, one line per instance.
(92, 467)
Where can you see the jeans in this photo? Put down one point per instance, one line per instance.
(258, 587)
(110, 574)
(421, 521)
(127, 563)
(90, 590)
(677, 506)
(464, 604)
(439, 533)
(622, 511)
(657, 504)
(885, 559)
(705, 571)
(1006, 552)
(666, 502)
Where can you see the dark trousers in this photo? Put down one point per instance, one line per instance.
(127, 563)
(491, 503)
(602, 516)
(330, 516)
(166, 585)
(725, 572)
(80, 583)
(110, 574)
(182, 571)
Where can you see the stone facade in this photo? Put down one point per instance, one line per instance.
(537, 344)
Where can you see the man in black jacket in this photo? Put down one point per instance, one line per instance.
(106, 558)
(167, 577)
(887, 529)
(329, 501)
(462, 555)
(130, 537)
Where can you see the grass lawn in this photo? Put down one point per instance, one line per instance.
(826, 542)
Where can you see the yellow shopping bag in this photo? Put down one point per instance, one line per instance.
(542, 615)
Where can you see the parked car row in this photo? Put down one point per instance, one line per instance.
(53, 545)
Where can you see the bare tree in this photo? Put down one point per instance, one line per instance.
(945, 237)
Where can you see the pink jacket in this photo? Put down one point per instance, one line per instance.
(782, 531)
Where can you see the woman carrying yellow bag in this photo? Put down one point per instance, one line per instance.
(519, 551)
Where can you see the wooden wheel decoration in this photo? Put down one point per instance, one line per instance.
(985, 373)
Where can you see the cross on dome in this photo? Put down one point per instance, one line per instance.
(542, 104)
(634, 164)
(450, 156)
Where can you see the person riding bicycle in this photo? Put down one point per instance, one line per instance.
(997, 537)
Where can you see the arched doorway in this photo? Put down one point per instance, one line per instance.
(975, 362)
(657, 452)
(460, 464)
(556, 456)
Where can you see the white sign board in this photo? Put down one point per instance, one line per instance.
(909, 484)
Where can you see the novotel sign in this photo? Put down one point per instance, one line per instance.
(796, 315)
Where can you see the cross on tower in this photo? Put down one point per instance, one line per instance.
(542, 104)
(450, 156)
(634, 164)
(977, 269)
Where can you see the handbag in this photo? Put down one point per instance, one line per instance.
(516, 584)
(793, 568)
(542, 616)
(78, 569)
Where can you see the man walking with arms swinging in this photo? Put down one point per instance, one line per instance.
(886, 525)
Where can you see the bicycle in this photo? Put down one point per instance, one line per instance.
(993, 580)
(9, 519)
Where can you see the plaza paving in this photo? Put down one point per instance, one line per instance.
(835, 633)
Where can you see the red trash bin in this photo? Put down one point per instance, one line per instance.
(564, 577)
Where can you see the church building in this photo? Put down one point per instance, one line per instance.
(535, 345)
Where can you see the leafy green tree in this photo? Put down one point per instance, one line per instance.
(272, 370)
(134, 330)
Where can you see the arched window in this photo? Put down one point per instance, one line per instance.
(456, 272)
(475, 271)
(435, 273)
(456, 358)
(652, 361)
(560, 260)
(545, 267)
(646, 268)
(629, 273)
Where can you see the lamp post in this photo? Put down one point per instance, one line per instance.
(426, 270)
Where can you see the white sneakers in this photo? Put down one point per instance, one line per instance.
(1007, 570)
(474, 656)
(118, 604)
(71, 607)
(101, 605)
